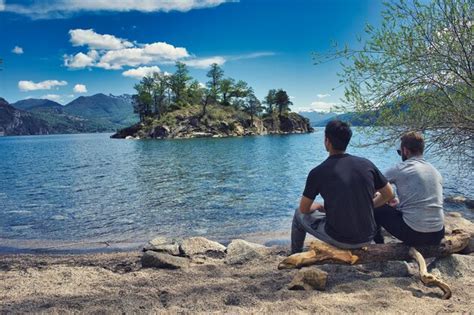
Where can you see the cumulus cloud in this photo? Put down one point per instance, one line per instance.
(81, 37)
(43, 85)
(2, 5)
(323, 95)
(203, 63)
(17, 50)
(80, 88)
(81, 60)
(65, 8)
(110, 52)
(113, 53)
(141, 72)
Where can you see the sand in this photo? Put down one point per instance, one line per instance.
(115, 283)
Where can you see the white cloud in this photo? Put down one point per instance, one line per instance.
(203, 63)
(112, 53)
(165, 51)
(80, 60)
(93, 40)
(141, 72)
(2, 5)
(65, 8)
(253, 55)
(80, 88)
(43, 85)
(17, 50)
(323, 95)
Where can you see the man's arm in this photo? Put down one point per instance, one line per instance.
(384, 195)
(309, 206)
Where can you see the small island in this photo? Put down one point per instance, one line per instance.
(178, 106)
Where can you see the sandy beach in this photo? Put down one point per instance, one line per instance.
(116, 283)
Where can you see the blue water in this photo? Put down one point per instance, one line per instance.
(90, 187)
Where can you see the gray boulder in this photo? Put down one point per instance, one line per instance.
(151, 259)
(164, 245)
(455, 221)
(309, 279)
(240, 251)
(455, 265)
(202, 246)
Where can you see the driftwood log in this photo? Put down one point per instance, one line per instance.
(320, 253)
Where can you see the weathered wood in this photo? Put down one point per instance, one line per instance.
(321, 253)
(427, 278)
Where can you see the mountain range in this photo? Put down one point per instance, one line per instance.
(320, 119)
(96, 113)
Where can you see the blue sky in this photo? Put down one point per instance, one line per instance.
(62, 49)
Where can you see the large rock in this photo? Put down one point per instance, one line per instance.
(454, 221)
(309, 279)
(456, 266)
(240, 251)
(202, 246)
(151, 259)
(164, 245)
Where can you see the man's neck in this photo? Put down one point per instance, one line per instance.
(336, 152)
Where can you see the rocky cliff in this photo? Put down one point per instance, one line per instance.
(217, 122)
(18, 122)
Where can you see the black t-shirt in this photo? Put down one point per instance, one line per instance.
(347, 184)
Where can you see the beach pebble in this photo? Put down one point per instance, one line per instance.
(202, 246)
(309, 279)
(161, 244)
(151, 259)
(240, 251)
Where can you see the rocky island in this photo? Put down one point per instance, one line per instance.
(176, 106)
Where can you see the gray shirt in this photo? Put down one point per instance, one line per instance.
(420, 190)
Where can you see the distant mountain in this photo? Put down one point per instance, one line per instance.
(316, 118)
(35, 103)
(61, 122)
(18, 122)
(112, 111)
(320, 119)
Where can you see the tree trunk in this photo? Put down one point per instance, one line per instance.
(321, 253)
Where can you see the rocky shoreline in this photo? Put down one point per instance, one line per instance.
(199, 275)
(196, 126)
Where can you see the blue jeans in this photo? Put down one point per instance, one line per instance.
(313, 223)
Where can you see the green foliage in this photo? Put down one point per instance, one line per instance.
(215, 75)
(253, 107)
(416, 72)
(270, 101)
(282, 102)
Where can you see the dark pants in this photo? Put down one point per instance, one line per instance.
(392, 221)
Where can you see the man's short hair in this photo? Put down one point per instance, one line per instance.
(414, 142)
(339, 134)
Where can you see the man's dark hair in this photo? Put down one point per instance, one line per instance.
(339, 134)
(414, 142)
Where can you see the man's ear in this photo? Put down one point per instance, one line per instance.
(327, 144)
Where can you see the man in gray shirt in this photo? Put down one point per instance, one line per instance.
(418, 218)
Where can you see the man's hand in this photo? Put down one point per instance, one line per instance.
(317, 207)
(394, 202)
(383, 195)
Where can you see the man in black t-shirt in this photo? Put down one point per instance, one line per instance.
(348, 185)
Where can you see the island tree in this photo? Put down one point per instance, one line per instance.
(415, 72)
(282, 102)
(215, 74)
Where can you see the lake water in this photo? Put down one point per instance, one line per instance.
(91, 188)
